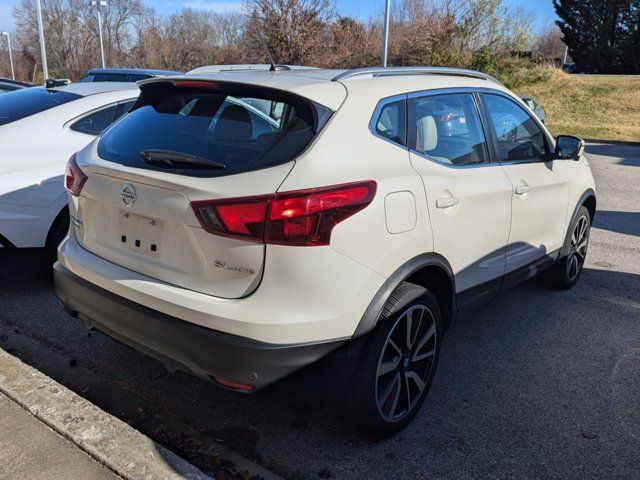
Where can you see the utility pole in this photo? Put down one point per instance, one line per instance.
(385, 38)
(98, 4)
(43, 49)
(6, 34)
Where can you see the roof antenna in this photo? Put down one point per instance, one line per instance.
(273, 67)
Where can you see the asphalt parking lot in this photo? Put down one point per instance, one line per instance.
(539, 384)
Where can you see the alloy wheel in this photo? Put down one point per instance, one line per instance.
(405, 363)
(578, 248)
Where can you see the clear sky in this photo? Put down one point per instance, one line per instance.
(542, 9)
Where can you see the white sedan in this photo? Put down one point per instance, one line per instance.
(40, 128)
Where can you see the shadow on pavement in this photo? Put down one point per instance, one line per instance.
(628, 155)
(627, 223)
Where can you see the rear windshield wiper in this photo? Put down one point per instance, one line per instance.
(170, 158)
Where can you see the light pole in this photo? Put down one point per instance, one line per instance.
(98, 4)
(385, 38)
(6, 34)
(43, 50)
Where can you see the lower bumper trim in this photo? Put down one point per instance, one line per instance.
(181, 345)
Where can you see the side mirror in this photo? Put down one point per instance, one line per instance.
(569, 147)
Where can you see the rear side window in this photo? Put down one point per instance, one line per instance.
(391, 123)
(8, 88)
(29, 101)
(447, 129)
(211, 131)
(135, 77)
(96, 122)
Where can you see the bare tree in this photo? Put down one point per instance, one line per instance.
(550, 46)
(294, 30)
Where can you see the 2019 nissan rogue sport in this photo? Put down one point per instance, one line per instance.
(242, 225)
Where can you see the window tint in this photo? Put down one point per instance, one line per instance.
(8, 88)
(29, 101)
(110, 77)
(519, 137)
(123, 108)
(218, 124)
(134, 77)
(391, 122)
(96, 122)
(447, 129)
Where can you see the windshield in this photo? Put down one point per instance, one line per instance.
(29, 101)
(240, 128)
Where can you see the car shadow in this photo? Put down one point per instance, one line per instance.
(627, 155)
(627, 223)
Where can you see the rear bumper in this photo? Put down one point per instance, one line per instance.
(182, 345)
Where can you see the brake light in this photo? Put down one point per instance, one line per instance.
(447, 118)
(196, 84)
(74, 178)
(299, 218)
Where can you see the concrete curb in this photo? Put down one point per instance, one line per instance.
(623, 143)
(107, 439)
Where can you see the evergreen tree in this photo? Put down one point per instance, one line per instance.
(602, 35)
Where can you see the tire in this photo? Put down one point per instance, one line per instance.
(392, 379)
(566, 272)
(58, 231)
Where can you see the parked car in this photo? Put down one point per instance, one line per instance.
(354, 234)
(125, 74)
(535, 108)
(8, 85)
(39, 130)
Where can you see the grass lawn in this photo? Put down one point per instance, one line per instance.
(606, 107)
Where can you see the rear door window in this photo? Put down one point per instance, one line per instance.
(225, 127)
(29, 101)
(447, 129)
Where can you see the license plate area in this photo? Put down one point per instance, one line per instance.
(139, 234)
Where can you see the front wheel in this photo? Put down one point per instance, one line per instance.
(396, 369)
(566, 272)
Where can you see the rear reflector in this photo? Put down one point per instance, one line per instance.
(298, 218)
(74, 178)
(234, 385)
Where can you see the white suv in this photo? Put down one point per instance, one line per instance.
(242, 225)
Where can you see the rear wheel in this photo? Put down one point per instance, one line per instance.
(566, 272)
(395, 371)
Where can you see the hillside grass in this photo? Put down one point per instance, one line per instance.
(603, 107)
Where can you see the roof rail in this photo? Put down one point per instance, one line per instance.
(393, 71)
(244, 67)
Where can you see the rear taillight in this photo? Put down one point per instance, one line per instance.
(74, 178)
(300, 218)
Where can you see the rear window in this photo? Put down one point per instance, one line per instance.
(211, 130)
(29, 101)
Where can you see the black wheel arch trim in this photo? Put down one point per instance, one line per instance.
(585, 196)
(5, 242)
(373, 312)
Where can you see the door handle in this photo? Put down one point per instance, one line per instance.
(522, 189)
(447, 202)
